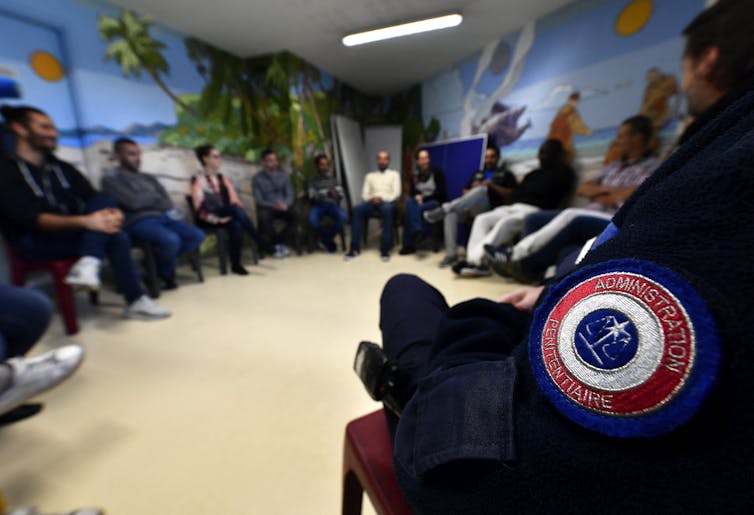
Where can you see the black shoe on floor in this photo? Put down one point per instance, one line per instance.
(240, 270)
(460, 266)
(19, 413)
(405, 251)
(169, 284)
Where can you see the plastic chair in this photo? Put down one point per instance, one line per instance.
(19, 269)
(368, 467)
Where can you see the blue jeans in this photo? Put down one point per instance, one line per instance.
(24, 317)
(49, 246)
(413, 222)
(171, 238)
(360, 213)
(330, 210)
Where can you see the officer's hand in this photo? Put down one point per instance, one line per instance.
(524, 298)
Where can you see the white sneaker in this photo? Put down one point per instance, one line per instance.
(286, 251)
(85, 272)
(279, 252)
(32, 376)
(145, 308)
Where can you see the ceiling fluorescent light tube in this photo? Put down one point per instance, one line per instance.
(405, 29)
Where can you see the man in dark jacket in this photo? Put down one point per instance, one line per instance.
(630, 388)
(148, 210)
(427, 191)
(543, 188)
(485, 190)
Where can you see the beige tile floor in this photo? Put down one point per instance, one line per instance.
(235, 405)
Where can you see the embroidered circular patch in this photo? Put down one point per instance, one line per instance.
(626, 348)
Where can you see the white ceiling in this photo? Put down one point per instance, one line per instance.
(312, 29)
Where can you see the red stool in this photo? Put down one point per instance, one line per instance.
(19, 269)
(368, 467)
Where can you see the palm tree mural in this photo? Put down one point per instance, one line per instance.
(135, 50)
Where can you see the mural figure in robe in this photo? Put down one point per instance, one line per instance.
(567, 124)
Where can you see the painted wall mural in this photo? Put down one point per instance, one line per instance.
(102, 72)
(573, 75)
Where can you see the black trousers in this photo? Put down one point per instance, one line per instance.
(266, 218)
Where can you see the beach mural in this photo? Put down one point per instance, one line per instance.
(102, 72)
(573, 75)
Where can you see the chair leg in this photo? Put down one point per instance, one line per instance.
(222, 251)
(299, 247)
(152, 282)
(353, 494)
(254, 252)
(196, 264)
(66, 303)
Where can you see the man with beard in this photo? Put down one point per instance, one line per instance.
(50, 211)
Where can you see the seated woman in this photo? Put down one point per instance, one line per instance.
(217, 205)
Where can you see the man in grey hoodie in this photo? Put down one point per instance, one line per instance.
(148, 210)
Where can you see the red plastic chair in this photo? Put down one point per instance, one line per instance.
(368, 467)
(19, 269)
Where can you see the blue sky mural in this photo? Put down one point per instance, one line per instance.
(103, 97)
(532, 72)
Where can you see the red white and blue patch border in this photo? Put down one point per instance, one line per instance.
(626, 348)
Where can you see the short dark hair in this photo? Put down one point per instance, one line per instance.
(554, 150)
(119, 143)
(727, 26)
(495, 148)
(19, 114)
(266, 152)
(642, 125)
(318, 158)
(203, 151)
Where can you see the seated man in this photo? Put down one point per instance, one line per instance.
(216, 204)
(325, 195)
(427, 192)
(559, 232)
(380, 191)
(148, 211)
(628, 387)
(24, 317)
(273, 194)
(544, 188)
(486, 189)
(49, 211)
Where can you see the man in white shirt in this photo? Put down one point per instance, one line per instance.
(381, 190)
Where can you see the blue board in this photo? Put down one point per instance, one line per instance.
(458, 158)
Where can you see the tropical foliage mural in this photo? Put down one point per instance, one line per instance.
(276, 101)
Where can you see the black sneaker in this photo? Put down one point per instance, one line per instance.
(434, 215)
(475, 271)
(459, 266)
(499, 259)
(239, 270)
(385, 256)
(405, 251)
(169, 284)
(351, 254)
(447, 261)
